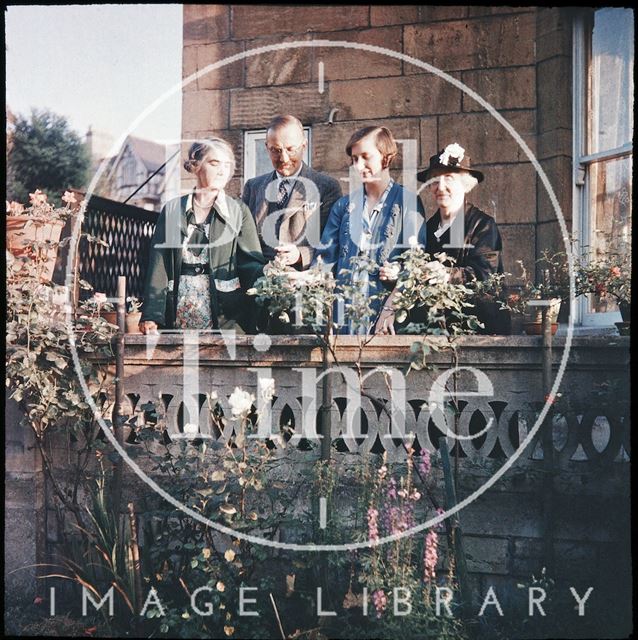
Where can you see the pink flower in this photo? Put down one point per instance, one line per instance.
(392, 489)
(616, 272)
(37, 198)
(380, 601)
(69, 197)
(430, 555)
(14, 208)
(373, 526)
(100, 298)
(424, 463)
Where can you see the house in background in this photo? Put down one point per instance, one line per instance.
(143, 169)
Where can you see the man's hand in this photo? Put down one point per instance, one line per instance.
(148, 327)
(288, 253)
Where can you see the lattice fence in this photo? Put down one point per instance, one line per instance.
(128, 230)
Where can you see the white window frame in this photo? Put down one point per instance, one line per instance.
(258, 136)
(581, 218)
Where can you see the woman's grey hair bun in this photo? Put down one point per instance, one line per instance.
(190, 165)
(200, 148)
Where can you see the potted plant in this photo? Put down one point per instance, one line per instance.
(34, 231)
(108, 311)
(439, 308)
(133, 314)
(608, 277)
(551, 285)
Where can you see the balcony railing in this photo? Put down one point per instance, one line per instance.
(491, 388)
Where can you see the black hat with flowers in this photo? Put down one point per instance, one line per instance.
(452, 159)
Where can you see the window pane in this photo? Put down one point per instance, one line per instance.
(256, 158)
(610, 206)
(612, 79)
(262, 159)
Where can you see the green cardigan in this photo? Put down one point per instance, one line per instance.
(236, 254)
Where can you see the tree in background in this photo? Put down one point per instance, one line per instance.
(46, 154)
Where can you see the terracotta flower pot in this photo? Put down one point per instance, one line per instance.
(536, 328)
(133, 321)
(110, 316)
(535, 313)
(22, 231)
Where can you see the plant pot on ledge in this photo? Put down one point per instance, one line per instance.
(132, 320)
(624, 327)
(533, 319)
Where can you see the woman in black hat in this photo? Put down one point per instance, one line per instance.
(457, 228)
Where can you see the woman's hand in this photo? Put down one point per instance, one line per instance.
(148, 327)
(288, 253)
(385, 323)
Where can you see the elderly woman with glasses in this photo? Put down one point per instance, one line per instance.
(205, 252)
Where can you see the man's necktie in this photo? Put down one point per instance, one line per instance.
(282, 193)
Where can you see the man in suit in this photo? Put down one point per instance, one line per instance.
(290, 204)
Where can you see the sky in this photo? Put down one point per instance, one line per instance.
(97, 65)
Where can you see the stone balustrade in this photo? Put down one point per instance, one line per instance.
(391, 407)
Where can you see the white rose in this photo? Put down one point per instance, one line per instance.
(437, 273)
(240, 402)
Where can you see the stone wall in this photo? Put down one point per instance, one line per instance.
(587, 501)
(25, 533)
(517, 58)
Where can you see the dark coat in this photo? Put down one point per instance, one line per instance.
(301, 205)
(480, 260)
(237, 256)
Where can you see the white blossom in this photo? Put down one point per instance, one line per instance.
(437, 273)
(453, 150)
(412, 241)
(240, 402)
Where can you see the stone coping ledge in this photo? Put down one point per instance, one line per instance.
(168, 349)
(306, 340)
